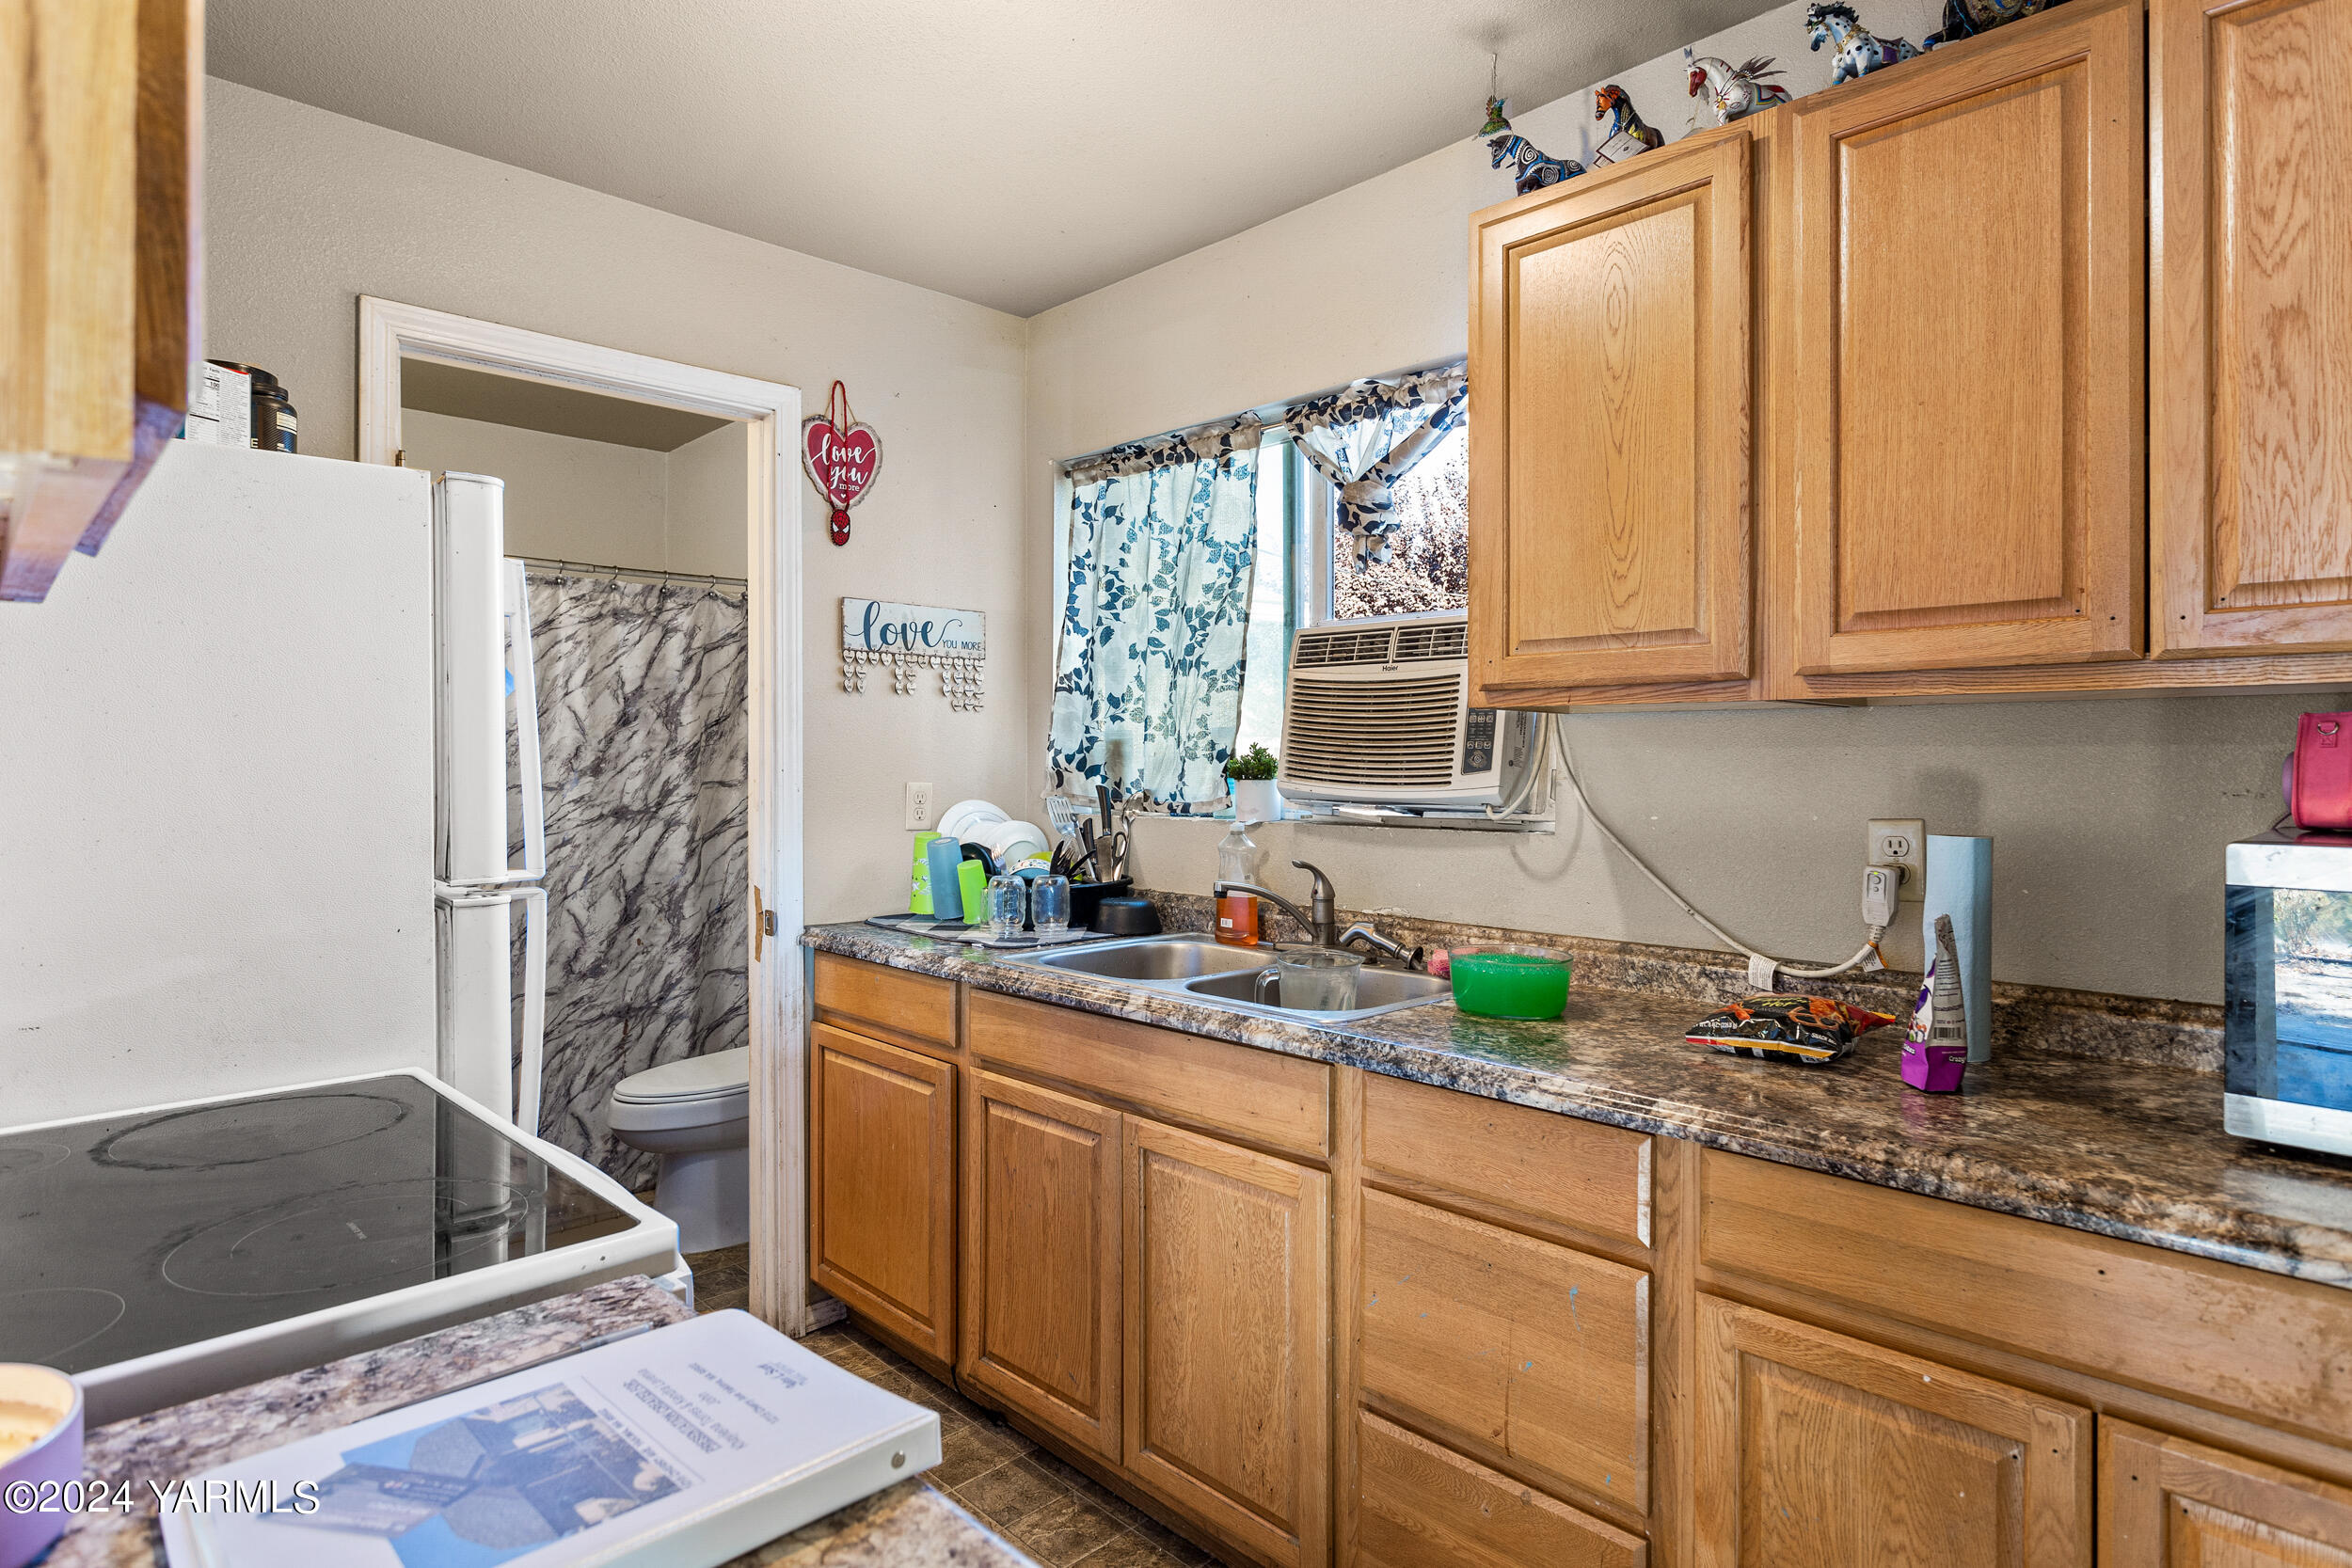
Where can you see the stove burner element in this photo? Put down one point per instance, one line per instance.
(210, 1137)
(392, 1232)
(43, 1326)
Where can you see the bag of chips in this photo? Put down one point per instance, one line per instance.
(1811, 1031)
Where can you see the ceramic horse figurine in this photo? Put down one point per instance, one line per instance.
(1734, 93)
(1625, 134)
(1529, 169)
(1853, 50)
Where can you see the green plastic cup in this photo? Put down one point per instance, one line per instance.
(1510, 981)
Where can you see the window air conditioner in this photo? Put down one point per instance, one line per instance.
(1376, 713)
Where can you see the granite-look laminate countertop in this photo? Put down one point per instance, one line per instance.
(2119, 1148)
(911, 1524)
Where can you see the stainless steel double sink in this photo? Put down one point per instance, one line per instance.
(1198, 967)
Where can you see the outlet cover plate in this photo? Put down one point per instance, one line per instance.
(1900, 840)
(922, 802)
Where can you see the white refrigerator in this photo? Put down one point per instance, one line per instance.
(483, 690)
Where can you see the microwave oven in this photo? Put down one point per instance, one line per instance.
(2287, 991)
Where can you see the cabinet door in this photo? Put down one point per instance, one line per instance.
(1228, 1339)
(2165, 1501)
(1815, 1448)
(1966, 352)
(1610, 540)
(2251, 395)
(882, 1214)
(1040, 1257)
(1423, 1506)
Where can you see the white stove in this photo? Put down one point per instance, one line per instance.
(164, 1253)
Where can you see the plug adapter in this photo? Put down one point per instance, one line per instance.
(1882, 887)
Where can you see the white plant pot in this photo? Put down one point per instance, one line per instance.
(1256, 800)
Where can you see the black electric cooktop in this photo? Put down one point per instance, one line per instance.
(130, 1234)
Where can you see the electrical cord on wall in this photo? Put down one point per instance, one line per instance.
(1552, 739)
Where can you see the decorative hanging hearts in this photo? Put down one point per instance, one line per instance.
(841, 457)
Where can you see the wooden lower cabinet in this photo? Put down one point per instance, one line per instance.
(1421, 1505)
(883, 1186)
(1228, 1337)
(1813, 1448)
(1041, 1257)
(2166, 1503)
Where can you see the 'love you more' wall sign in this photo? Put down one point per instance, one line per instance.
(841, 457)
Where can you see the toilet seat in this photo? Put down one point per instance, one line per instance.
(710, 1091)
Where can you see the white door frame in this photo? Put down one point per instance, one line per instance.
(389, 332)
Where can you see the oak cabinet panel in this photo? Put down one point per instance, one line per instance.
(2166, 1503)
(1041, 1256)
(1815, 1448)
(1610, 377)
(881, 1197)
(875, 999)
(2251, 395)
(1579, 1173)
(1967, 323)
(1423, 1506)
(1509, 1346)
(1228, 1290)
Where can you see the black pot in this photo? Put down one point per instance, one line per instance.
(1126, 917)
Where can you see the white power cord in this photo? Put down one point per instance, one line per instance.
(1762, 968)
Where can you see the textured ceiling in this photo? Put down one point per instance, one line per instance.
(1018, 153)
(433, 388)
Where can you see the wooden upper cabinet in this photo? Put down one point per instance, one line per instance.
(1965, 354)
(2165, 1501)
(1228, 1340)
(2250, 474)
(99, 151)
(882, 1232)
(1610, 383)
(1041, 1257)
(1815, 1448)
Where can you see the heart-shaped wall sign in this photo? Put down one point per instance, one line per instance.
(841, 457)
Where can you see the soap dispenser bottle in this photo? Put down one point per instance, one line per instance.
(1238, 859)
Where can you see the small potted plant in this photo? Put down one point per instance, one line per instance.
(1251, 774)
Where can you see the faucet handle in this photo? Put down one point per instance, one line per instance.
(1323, 884)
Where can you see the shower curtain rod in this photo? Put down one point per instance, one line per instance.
(642, 574)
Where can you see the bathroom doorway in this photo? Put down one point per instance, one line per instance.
(656, 507)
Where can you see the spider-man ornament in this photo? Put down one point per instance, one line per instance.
(841, 457)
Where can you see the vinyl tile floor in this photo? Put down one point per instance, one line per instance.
(1044, 1507)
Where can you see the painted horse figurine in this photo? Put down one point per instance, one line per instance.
(1732, 94)
(1853, 50)
(1626, 134)
(1529, 169)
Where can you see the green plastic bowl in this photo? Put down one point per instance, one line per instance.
(1510, 981)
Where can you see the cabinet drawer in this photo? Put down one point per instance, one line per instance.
(914, 1008)
(1523, 1350)
(1419, 1506)
(1580, 1173)
(2233, 1338)
(1279, 1101)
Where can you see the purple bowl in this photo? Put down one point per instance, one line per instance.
(49, 1465)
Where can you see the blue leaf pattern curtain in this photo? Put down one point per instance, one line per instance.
(1367, 435)
(1162, 545)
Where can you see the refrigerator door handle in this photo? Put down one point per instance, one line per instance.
(523, 697)
(534, 1030)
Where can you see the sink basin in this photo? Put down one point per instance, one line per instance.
(1177, 958)
(1195, 966)
(1378, 990)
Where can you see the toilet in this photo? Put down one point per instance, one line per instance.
(696, 1114)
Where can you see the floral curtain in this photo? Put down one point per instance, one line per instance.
(1367, 435)
(1162, 539)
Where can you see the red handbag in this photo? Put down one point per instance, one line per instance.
(2319, 776)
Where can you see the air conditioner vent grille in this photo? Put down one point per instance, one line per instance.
(1363, 646)
(1449, 640)
(1379, 733)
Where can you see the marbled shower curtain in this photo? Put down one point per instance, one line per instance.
(643, 713)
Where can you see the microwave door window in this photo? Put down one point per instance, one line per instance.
(2290, 988)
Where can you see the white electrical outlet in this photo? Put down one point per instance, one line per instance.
(921, 799)
(1901, 841)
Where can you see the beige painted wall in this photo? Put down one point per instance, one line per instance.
(306, 209)
(708, 482)
(2109, 816)
(565, 497)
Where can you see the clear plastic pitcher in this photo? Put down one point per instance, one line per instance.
(1313, 979)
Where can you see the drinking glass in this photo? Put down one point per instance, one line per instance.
(1049, 905)
(1008, 904)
